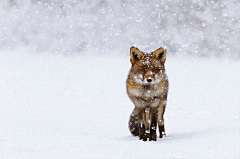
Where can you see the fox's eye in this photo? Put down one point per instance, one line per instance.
(142, 69)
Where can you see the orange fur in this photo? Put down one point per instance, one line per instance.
(147, 87)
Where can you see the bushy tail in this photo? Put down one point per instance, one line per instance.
(133, 123)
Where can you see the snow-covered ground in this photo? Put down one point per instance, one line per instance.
(53, 106)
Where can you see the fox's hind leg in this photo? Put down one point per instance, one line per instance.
(161, 131)
(160, 120)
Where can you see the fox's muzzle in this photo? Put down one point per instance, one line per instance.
(149, 80)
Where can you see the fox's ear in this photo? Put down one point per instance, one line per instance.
(135, 54)
(160, 54)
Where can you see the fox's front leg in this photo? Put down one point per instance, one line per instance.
(153, 127)
(160, 120)
(141, 125)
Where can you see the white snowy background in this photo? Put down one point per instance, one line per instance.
(63, 66)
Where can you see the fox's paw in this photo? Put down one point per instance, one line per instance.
(153, 135)
(153, 138)
(143, 137)
(161, 131)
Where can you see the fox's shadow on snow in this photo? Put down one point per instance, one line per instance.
(176, 136)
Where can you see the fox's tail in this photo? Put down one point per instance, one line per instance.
(133, 123)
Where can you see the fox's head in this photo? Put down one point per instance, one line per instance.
(147, 68)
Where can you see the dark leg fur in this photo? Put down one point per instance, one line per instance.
(137, 127)
(161, 131)
(142, 133)
(153, 135)
(141, 126)
(161, 120)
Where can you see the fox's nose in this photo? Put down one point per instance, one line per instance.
(149, 80)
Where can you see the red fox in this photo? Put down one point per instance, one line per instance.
(147, 87)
